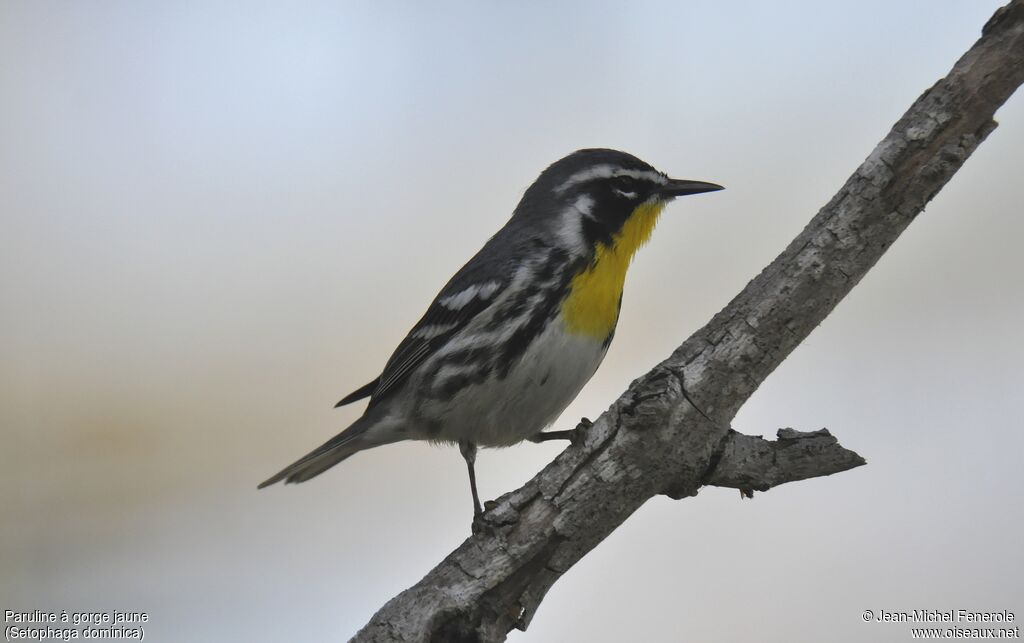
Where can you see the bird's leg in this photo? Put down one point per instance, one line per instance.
(573, 435)
(548, 436)
(468, 450)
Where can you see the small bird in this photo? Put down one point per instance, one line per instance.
(512, 338)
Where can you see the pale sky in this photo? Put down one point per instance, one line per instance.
(220, 217)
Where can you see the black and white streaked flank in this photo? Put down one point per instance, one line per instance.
(492, 362)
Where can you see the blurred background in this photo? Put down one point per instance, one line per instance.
(220, 217)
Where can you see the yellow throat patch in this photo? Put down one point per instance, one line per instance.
(592, 306)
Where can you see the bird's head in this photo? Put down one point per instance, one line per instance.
(601, 197)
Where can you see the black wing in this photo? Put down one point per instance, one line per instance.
(475, 287)
(453, 308)
(449, 313)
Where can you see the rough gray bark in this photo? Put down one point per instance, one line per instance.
(751, 463)
(652, 440)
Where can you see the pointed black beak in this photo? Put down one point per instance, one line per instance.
(682, 187)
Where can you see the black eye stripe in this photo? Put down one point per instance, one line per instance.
(629, 187)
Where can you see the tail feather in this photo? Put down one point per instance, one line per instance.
(330, 453)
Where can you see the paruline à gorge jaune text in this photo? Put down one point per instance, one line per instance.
(41, 625)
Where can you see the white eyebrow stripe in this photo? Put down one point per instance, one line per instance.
(608, 171)
(463, 297)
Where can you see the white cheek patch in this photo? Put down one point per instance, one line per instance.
(584, 204)
(459, 300)
(570, 224)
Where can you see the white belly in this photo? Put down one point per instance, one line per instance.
(502, 412)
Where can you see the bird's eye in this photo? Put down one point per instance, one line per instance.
(623, 183)
(624, 186)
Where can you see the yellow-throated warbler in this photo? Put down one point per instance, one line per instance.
(512, 338)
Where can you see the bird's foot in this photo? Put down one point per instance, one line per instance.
(481, 524)
(581, 429)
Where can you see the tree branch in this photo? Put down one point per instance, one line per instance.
(751, 463)
(653, 440)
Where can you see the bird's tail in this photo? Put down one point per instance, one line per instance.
(354, 438)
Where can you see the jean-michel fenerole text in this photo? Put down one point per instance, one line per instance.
(945, 616)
